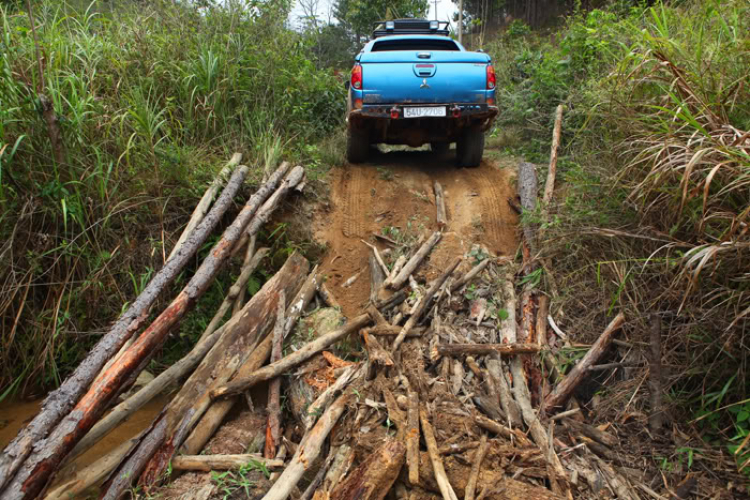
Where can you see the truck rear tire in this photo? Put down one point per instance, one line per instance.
(357, 147)
(440, 148)
(470, 149)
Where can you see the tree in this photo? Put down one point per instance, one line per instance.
(359, 16)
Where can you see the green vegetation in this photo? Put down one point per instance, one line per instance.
(655, 147)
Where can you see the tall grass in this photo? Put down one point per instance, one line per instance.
(151, 98)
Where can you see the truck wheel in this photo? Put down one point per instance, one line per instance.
(357, 147)
(470, 149)
(440, 148)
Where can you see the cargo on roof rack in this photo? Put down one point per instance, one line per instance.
(410, 27)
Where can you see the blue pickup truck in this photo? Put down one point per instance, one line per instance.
(413, 84)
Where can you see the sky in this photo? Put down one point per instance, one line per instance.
(445, 10)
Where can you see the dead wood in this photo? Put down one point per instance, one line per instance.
(53, 127)
(377, 277)
(413, 263)
(222, 462)
(502, 392)
(442, 217)
(308, 451)
(326, 397)
(375, 476)
(328, 297)
(424, 303)
(342, 462)
(390, 330)
(466, 278)
(483, 349)
(527, 190)
(273, 434)
(501, 430)
(592, 432)
(412, 436)
(476, 465)
(655, 416)
(562, 392)
(397, 266)
(437, 462)
(60, 402)
(201, 209)
(454, 448)
(234, 292)
(549, 186)
(315, 484)
(224, 359)
(213, 418)
(376, 353)
(378, 257)
(294, 359)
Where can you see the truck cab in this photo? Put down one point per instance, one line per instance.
(412, 84)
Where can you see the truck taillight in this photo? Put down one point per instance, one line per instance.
(357, 77)
(491, 78)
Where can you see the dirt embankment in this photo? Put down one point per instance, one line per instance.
(395, 190)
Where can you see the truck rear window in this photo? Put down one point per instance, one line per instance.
(415, 44)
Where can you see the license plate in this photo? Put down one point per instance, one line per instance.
(415, 112)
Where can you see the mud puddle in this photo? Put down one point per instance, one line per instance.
(395, 190)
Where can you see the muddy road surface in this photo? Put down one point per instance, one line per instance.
(393, 195)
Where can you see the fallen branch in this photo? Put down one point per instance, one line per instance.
(326, 397)
(413, 263)
(478, 457)
(482, 349)
(549, 187)
(473, 273)
(412, 436)
(375, 476)
(294, 359)
(208, 463)
(442, 217)
(239, 300)
(273, 434)
(564, 390)
(308, 451)
(437, 463)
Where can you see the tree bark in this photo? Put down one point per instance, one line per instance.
(273, 435)
(437, 463)
(208, 463)
(549, 186)
(501, 349)
(373, 479)
(412, 436)
(294, 359)
(413, 263)
(61, 401)
(442, 217)
(475, 467)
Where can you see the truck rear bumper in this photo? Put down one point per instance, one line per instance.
(376, 122)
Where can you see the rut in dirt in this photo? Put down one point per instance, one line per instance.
(395, 190)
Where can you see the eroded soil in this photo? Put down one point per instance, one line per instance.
(395, 190)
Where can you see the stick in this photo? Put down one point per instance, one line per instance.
(314, 486)
(328, 297)
(308, 451)
(249, 253)
(437, 463)
(208, 463)
(413, 263)
(412, 437)
(424, 303)
(473, 273)
(377, 277)
(481, 349)
(655, 417)
(478, 457)
(492, 426)
(61, 401)
(294, 359)
(442, 217)
(549, 187)
(374, 249)
(397, 266)
(201, 209)
(563, 390)
(273, 434)
(326, 397)
(375, 476)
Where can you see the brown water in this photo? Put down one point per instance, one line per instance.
(14, 414)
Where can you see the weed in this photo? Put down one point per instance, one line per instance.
(385, 174)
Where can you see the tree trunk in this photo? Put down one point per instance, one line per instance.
(373, 479)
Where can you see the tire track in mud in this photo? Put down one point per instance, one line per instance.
(495, 212)
(354, 192)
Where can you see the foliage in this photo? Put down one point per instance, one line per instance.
(359, 16)
(151, 99)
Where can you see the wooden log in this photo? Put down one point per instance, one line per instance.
(375, 476)
(235, 291)
(425, 303)
(592, 432)
(378, 257)
(442, 217)
(413, 263)
(483, 349)
(214, 416)
(328, 297)
(342, 462)
(476, 465)
(273, 435)
(208, 463)
(397, 266)
(317, 481)
(549, 186)
(501, 385)
(224, 359)
(41, 466)
(527, 190)
(501, 430)
(655, 416)
(308, 451)
(437, 463)
(239, 300)
(201, 209)
(564, 390)
(326, 397)
(294, 359)
(412, 437)
(390, 330)
(60, 402)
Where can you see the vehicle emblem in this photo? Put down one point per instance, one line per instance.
(424, 84)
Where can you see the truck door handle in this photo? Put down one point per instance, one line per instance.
(424, 55)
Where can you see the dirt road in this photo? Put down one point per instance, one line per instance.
(395, 190)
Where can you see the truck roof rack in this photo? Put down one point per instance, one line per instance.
(410, 27)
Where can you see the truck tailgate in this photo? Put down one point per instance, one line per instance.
(402, 77)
